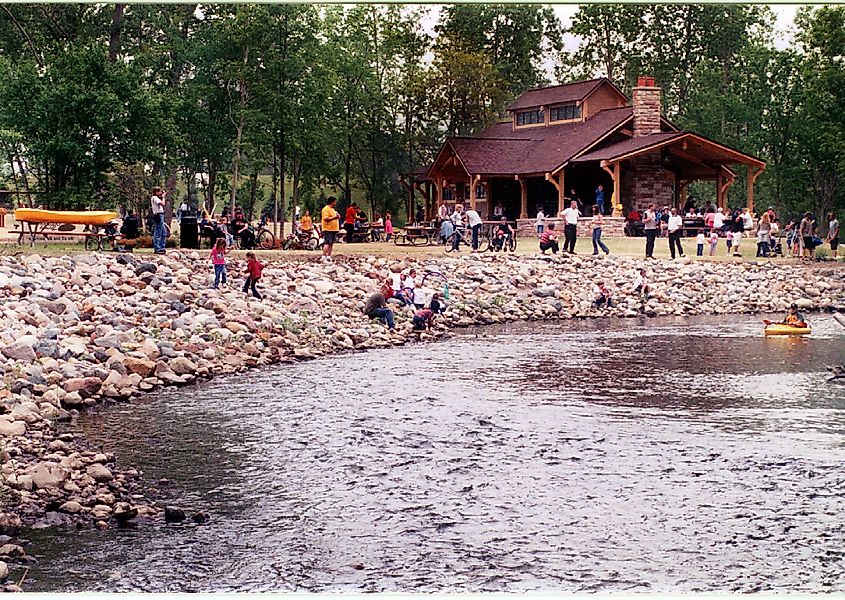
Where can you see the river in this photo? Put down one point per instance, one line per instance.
(662, 455)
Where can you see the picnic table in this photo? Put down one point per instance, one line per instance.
(416, 235)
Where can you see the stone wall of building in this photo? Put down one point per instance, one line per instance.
(613, 227)
(650, 182)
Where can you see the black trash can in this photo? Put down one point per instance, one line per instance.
(189, 233)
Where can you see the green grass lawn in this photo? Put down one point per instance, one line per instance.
(526, 246)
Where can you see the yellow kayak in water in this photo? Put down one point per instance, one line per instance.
(784, 329)
(75, 217)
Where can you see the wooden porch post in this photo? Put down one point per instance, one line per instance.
(523, 211)
(559, 187)
(438, 189)
(561, 192)
(472, 192)
(752, 176)
(617, 201)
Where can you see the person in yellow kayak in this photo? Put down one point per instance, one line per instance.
(794, 318)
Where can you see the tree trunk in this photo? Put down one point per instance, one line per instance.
(275, 194)
(282, 168)
(212, 185)
(252, 189)
(170, 193)
(236, 160)
(297, 174)
(114, 31)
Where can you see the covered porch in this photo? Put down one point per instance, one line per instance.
(658, 168)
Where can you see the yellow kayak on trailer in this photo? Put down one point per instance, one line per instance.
(784, 329)
(74, 217)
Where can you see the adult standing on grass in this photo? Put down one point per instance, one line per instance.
(474, 224)
(349, 222)
(570, 228)
(330, 222)
(674, 227)
(806, 232)
(650, 230)
(833, 234)
(157, 208)
(596, 223)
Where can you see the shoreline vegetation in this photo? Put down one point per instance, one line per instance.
(89, 328)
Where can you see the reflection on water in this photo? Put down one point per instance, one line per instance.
(659, 455)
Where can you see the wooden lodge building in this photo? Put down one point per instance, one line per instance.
(568, 139)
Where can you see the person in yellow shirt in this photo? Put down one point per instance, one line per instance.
(331, 225)
(306, 223)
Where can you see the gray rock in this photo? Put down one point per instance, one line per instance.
(99, 473)
(45, 476)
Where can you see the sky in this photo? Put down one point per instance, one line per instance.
(784, 13)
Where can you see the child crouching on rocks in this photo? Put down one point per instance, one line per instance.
(253, 270)
(423, 317)
(218, 259)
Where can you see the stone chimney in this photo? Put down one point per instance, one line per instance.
(646, 107)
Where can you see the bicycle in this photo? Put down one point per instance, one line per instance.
(301, 240)
(434, 279)
(264, 239)
(508, 244)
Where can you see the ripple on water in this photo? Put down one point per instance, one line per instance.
(660, 455)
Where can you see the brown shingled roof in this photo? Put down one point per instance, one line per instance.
(629, 145)
(500, 150)
(558, 94)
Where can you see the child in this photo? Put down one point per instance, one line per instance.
(737, 242)
(641, 286)
(714, 241)
(601, 295)
(253, 269)
(218, 259)
(729, 240)
(388, 227)
(699, 243)
(422, 319)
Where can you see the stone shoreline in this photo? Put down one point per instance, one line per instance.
(84, 329)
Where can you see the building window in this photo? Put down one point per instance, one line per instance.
(567, 112)
(447, 194)
(481, 192)
(529, 117)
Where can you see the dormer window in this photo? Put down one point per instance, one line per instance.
(565, 112)
(529, 117)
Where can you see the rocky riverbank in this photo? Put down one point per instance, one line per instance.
(84, 329)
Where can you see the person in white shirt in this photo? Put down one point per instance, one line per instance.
(498, 210)
(474, 223)
(443, 212)
(718, 220)
(541, 221)
(674, 226)
(641, 286)
(747, 220)
(157, 208)
(458, 223)
(570, 228)
(699, 243)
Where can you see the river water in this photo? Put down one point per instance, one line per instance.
(655, 455)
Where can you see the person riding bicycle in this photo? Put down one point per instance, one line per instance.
(306, 225)
(502, 234)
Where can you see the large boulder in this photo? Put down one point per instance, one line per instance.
(19, 352)
(182, 366)
(99, 473)
(47, 475)
(86, 386)
(11, 428)
(140, 366)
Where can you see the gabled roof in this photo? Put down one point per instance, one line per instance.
(559, 94)
(632, 145)
(501, 151)
(706, 148)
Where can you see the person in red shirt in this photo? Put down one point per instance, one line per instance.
(349, 221)
(253, 270)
